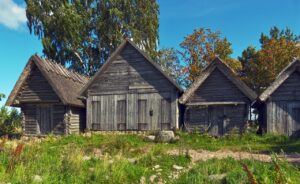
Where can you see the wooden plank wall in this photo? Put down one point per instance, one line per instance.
(208, 118)
(217, 88)
(36, 89)
(149, 111)
(75, 120)
(58, 112)
(283, 117)
(32, 118)
(283, 106)
(130, 71)
(131, 77)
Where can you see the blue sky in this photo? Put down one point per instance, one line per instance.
(241, 21)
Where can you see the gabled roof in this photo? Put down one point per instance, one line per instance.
(282, 76)
(227, 71)
(66, 84)
(116, 53)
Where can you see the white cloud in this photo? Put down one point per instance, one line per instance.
(12, 15)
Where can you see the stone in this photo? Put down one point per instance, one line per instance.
(98, 153)
(177, 167)
(132, 160)
(156, 166)
(164, 136)
(87, 134)
(86, 158)
(143, 180)
(217, 177)
(37, 178)
(149, 138)
(152, 178)
(91, 169)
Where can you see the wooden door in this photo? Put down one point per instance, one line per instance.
(121, 114)
(142, 115)
(96, 113)
(197, 118)
(165, 114)
(294, 126)
(216, 120)
(44, 117)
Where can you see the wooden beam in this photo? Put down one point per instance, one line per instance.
(141, 87)
(214, 103)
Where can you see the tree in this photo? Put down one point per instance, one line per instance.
(277, 50)
(9, 120)
(82, 34)
(2, 96)
(169, 61)
(201, 47)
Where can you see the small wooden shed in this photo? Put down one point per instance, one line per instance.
(131, 92)
(279, 104)
(218, 101)
(47, 94)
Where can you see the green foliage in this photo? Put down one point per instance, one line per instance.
(169, 61)
(278, 49)
(233, 170)
(61, 160)
(83, 34)
(10, 121)
(201, 47)
(2, 96)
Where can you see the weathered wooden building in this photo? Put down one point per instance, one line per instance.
(131, 92)
(218, 101)
(279, 104)
(47, 94)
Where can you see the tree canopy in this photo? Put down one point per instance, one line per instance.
(170, 63)
(261, 67)
(201, 47)
(82, 34)
(2, 96)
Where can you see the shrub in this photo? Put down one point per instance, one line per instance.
(10, 121)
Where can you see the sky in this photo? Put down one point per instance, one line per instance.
(240, 21)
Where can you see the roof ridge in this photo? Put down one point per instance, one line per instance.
(59, 69)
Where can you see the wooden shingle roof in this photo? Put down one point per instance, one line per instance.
(227, 71)
(282, 76)
(65, 83)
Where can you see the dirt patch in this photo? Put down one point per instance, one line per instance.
(204, 155)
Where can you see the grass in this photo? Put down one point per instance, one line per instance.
(129, 159)
(248, 142)
(234, 173)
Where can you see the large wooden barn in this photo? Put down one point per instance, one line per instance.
(279, 104)
(131, 92)
(218, 101)
(47, 94)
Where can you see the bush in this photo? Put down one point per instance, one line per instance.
(10, 121)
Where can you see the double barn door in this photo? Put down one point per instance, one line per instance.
(44, 118)
(209, 119)
(131, 112)
(217, 120)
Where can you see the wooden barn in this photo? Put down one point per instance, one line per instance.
(131, 92)
(279, 104)
(217, 102)
(47, 94)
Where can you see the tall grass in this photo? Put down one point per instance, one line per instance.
(72, 159)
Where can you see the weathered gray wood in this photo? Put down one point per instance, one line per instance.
(45, 119)
(131, 90)
(217, 88)
(37, 89)
(213, 103)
